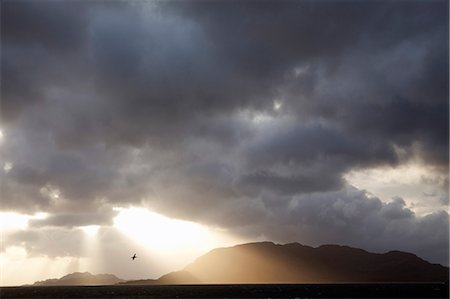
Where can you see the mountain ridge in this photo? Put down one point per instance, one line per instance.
(80, 278)
(268, 262)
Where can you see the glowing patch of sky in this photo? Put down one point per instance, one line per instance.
(421, 188)
(15, 259)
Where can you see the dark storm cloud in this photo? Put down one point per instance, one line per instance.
(289, 184)
(52, 25)
(32, 33)
(174, 105)
(179, 61)
(46, 177)
(306, 145)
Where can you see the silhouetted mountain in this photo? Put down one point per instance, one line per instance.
(178, 277)
(267, 262)
(78, 278)
(139, 282)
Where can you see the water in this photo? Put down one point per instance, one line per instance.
(374, 290)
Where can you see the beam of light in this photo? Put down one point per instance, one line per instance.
(159, 232)
(91, 246)
(171, 243)
(90, 230)
(13, 221)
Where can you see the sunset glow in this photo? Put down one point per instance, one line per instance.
(12, 221)
(90, 229)
(158, 232)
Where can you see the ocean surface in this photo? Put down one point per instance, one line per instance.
(373, 290)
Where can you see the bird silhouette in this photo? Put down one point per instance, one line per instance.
(133, 257)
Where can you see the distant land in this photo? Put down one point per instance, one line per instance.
(177, 277)
(80, 278)
(266, 262)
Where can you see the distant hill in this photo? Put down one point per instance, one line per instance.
(79, 278)
(267, 262)
(178, 277)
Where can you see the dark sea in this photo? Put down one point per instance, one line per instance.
(373, 290)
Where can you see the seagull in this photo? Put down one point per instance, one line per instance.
(133, 257)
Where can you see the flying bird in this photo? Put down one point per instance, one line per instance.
(133, 257)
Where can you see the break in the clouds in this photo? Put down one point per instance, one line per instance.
(243, 115)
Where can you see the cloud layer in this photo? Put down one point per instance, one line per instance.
(242, 115)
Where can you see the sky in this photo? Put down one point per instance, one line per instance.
(168, 128)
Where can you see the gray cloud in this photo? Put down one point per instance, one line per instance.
(171, 105)
(49, 242)
(100, 216)
(349, 216)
